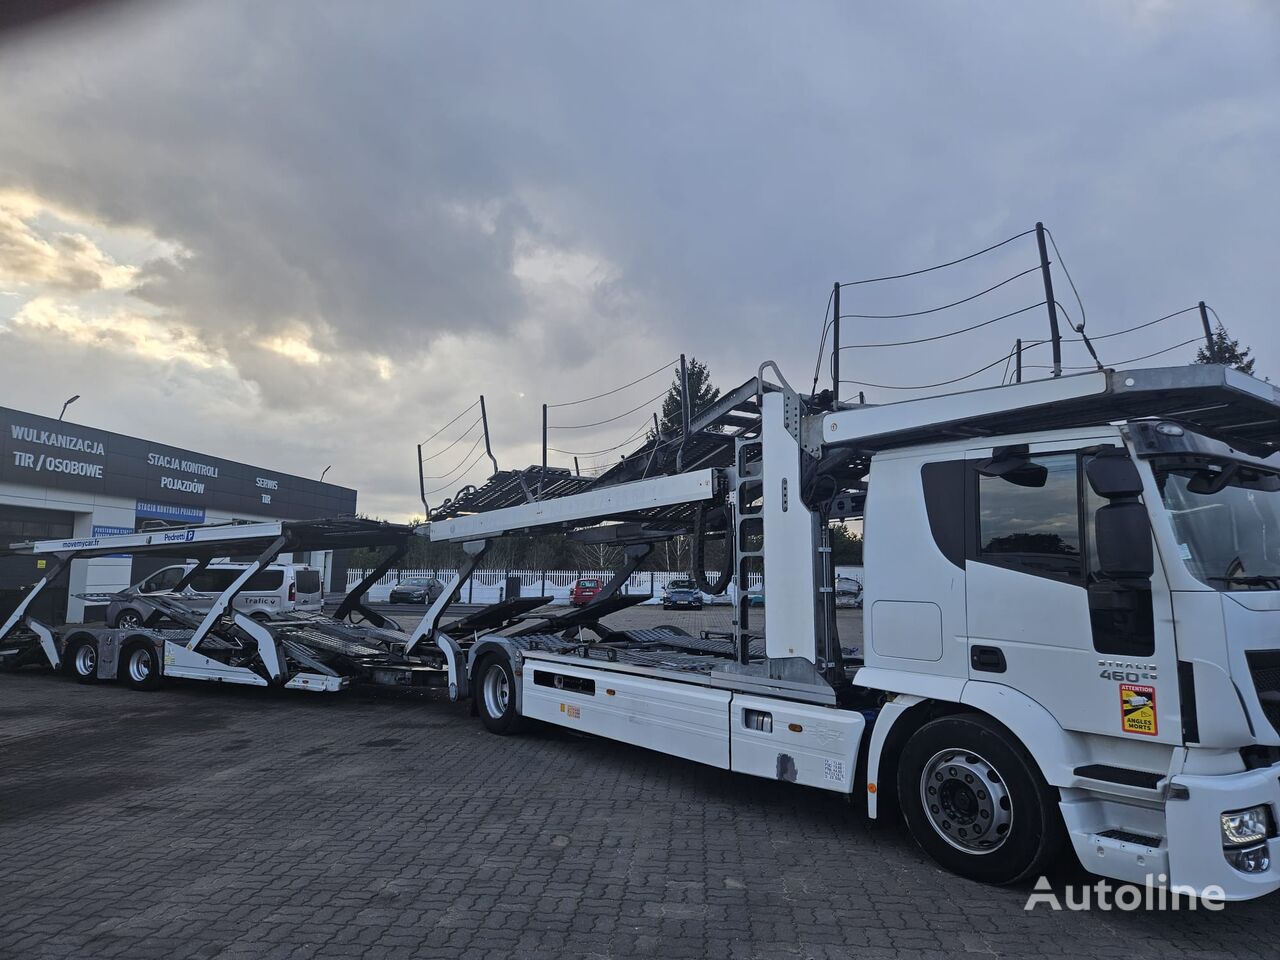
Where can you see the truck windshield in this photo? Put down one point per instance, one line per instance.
(1226, 517)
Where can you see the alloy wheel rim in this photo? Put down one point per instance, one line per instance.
(966, 801)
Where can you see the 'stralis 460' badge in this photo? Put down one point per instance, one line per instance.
(1138, 709)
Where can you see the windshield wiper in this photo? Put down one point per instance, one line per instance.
(1250, 580)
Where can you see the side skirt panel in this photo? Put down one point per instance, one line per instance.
(796, 742)
(683, 720)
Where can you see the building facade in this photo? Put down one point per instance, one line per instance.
(61, 480)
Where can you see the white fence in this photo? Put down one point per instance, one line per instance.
(489, 586)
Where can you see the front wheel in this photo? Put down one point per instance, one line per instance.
(976, 802)
(496, 696)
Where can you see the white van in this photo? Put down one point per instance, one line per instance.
(278, 588)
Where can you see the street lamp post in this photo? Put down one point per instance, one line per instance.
(67, 404)
(324, 471)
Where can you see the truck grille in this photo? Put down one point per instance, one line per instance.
(1264, 665)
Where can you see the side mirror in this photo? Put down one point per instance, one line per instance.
(1013, 463)
(1123, 537)
(1112, 474)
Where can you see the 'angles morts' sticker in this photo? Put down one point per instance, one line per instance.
(1138, 709)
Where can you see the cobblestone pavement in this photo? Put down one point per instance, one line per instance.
(211, 822)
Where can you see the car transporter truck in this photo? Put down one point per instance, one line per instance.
(1071, 615)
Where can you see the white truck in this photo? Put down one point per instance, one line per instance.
(1072, 615)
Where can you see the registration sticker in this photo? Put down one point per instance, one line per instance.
(1138, 709)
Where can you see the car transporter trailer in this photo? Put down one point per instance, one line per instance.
(297, 651)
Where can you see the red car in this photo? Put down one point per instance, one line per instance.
(584, 591)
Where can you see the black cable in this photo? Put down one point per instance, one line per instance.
(570, 403)
(1083, 338)
(927, 386)
(826, 325)
(947, 306)
(449, 424)
(1004, 375)
(591, 453)
(1121, 363)
(697, 555)
(462, 436)
(460, 476)
(1170, 316)
(940, 266)
(599, 423)
(1062, 263)
(441, 476)
(943, 336)
(1120, 333)
(1158, 352)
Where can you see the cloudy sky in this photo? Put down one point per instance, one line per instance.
(302, 234)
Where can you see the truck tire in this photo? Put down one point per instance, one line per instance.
(495, 693)
(975, 801)
(81, 658)
(139, 665)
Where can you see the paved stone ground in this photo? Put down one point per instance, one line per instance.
(212, 822)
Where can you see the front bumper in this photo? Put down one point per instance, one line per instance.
(1194, 833)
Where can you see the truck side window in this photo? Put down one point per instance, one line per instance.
(1033, 528)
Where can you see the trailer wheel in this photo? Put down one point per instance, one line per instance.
(139, 665)
(976, 802)
(495, 694)
(82, 659)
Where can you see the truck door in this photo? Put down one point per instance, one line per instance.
(1099, 655)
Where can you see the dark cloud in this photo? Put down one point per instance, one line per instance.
(543, 199)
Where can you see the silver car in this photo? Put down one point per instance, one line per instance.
(278, 588)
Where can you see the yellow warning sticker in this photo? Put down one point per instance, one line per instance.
(1138, 709)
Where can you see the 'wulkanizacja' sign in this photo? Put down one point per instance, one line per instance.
(39, 451)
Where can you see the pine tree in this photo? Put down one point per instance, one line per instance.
(846, 546)
(1226, 351)
(701, 391)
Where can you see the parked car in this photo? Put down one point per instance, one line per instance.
(416, 590)
(584, 590)
(278, 588)
(755, 597)
(848, 592)
(681, 593)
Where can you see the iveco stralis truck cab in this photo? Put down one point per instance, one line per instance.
(1111, 597)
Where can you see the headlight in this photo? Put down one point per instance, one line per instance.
(1243, 827)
